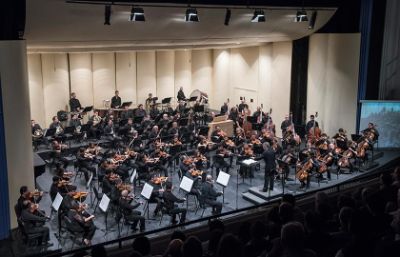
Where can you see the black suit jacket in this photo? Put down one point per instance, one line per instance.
(269, 159)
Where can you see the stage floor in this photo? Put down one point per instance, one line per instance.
(238, 194)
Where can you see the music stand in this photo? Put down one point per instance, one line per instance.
(198, 108)
(103, 206)
(166, 100)
(125, 104)
(223, 180)
(282, 164)
(186, 184)
(69, 130)
(50, 132)
(252, 119)
(87, 109)
(204, 131)
(55, 205)
(193, 99)
(138, 119)
(146, 194)
(256, 126)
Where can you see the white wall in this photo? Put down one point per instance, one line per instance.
(261, 73)
(333, 80)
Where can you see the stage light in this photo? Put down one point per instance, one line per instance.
(258, 16)
(137, 14)
(191, 15)
(301, 16)
(312, 20)
(227, 17)
(107, 15)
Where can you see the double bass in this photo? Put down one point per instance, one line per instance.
(315, 132)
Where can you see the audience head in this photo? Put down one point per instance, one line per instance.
(386, 179)
(293, 236)
(216, 224)
(345, 201)
(178, 234)
(229, 246)
(289, 198)
(312, 222)
(135, 254)
(142, 245)
(285, 212)
(345, 215)
(192, 247)
(174, 248)
(244, 234)
(258, 230)
(99, 251)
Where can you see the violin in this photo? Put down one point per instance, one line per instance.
(32, 194)
(79, 195)
(120, 158)
(255, 141)
(124, 186)
(163, 154)
(229, 142)
(131, 153)
(188, 161)
(247, 151)
(196, 173)
(147, 159)
(62, 183)
(159, 180)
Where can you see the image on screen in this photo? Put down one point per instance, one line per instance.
(386, 115)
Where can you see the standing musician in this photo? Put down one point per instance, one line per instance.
(311, 124)
(116, 100)
(285, 124)
(269, 158)
(56, 124)
(82, 219)
(242, 106)
(169, 200)
(34, 220)
(224, 108)
(150, 102)
(74, 104)
(181, 95)
(128, 211)
(234, 115)
(259, 114)
(209, 195)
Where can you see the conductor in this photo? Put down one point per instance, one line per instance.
(269, 158)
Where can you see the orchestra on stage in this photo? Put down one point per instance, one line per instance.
(156, 142)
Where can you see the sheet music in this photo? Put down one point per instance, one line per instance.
(146, 191)
(249, 161)
(223, 178)
(105, 201)
(57, 202)
(186, 184)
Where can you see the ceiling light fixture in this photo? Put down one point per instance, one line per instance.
(191, 15)
(137, 14)
(107, 15)
(227, 17)
(313, 19)
(301, 16)
(258, 16)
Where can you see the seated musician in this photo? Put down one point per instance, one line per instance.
(181, 107)
(341, 139)
(37, 133)
(174, 130)
(164, 121)
(181, 95)
(168, 109)
(25, 194)
(186, 164)
(287, 158)
(54, 189)
(154, 112)
(85, 161)
(163, 158)
(64, 179)
(200, 160)
(371, 133)
(315, 165)
(128, 211)
(82, 219)
(145, 124)
(116, 100)
(109, 181)
(219, 159)
(95, 129)
(56, 124)
(34, 220)
(154, 132)
(94, 150)
(122, 168)
(126, 113)
(217, 135)
(109, 115)
(140, 111)
(170, 201)
(246, 153)
(209, 195)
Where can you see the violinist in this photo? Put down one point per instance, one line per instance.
(128, 211)
(84, 162)
(80, 218)
(217, 135)
(210, 195)
(162, 157)
(246, 153)
(200, 160)
(25, 194)
(219, 159)
(122, 168)
(54, 189)
(254, 141)
(65, 177)
(58, 148)
(110, 182)
(34, 220)
(154, 133)
(239, 138)
(205, 145)
(186, 164)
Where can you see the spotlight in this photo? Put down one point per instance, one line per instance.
(312, 20)
(191, 15)
(107, 15)
(258, 16)
(301, 16)
(137, 14)
(227, 17)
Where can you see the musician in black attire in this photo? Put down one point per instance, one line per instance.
(371, 129)
(33, 222)
(224, 108)
(83, 220)
(285, 124)
(169, 200)
(116, 100)
(24, 195)
(242, 106)
(74, 103)
(35, 127)
(209, 195)
(181, 96)
(269, 158)
(311, 123)
(154, 112)
(219, 159)
(181, 107)
(140, 112)
(174, 130)
(128, 211)
(85, 164)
